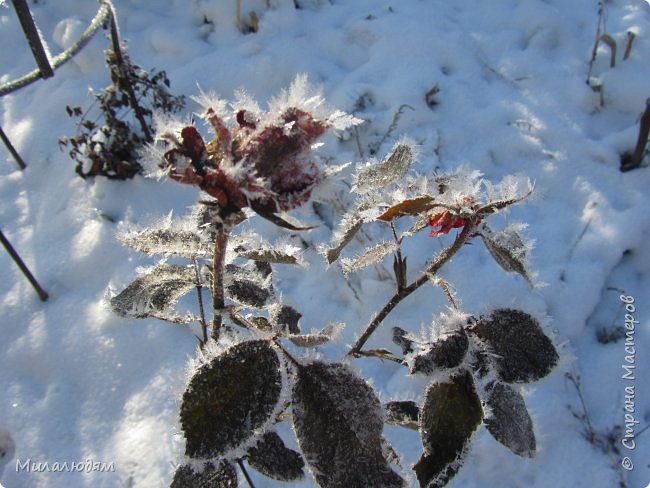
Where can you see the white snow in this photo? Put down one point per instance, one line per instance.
(79, 383)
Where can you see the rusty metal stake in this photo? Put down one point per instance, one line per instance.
(42, 294)
(12, 149)
(35, 42)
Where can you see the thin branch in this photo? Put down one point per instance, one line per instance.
(442, 258)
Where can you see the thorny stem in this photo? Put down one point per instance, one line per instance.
(246, 475)
(442, 258)
(199, 293)
(218, 261)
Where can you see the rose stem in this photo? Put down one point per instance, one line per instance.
(442, 258)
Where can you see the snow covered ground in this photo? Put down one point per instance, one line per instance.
(78, 383)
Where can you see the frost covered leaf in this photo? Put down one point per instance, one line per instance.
(414, 206)
(521, 352)
(338, 422)
(404, 413)
(273, 459)
(284, 256)
(508, 250)
(370, 256)
(283, 222)
(224, 476)
(230, 397)
(286, 318)
(450, 415)
(402, 339)
(250, 285)
(176, 242)
(378, 175)
(350, 225)
(319, 338)
(509, 421)
(154, 293)
(448, 352)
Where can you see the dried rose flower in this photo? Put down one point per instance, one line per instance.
(261, 160)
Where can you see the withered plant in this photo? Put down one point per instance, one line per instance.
(111, 135)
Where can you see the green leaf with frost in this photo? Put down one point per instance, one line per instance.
(370, 256)
(223, 476)
(229, 398)
(319, 338)
(338, 421)
(373, 176)
(350, 225)
(508, 420)
(519, 349)
(154, 293)
(273, 459)
(168, 242)
(250, 285)
(405, 413)
(508, 249)
(451, 413)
